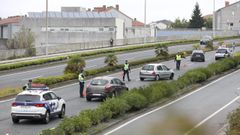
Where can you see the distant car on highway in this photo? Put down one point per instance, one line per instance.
(156, 71)
(103, 87)
(205, 40)
(37, 104)
(198, 55)
(222, 53)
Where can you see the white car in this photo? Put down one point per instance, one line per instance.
(37, 104)
(222, 53)
(156, 71)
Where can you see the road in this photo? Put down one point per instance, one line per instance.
(20, 78)
(75, 104)
(207, 108)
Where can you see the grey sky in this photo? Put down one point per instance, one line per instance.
(156, 9)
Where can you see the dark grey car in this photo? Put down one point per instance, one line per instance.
(103, 87)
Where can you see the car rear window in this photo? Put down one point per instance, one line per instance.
(28, 98)
(221, 51)
(148, 67)
(100, 82)
(195, 54)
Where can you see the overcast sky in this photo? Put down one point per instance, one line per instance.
(156, 9)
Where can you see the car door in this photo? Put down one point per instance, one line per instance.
(55, 102)
(120, 85)
(160, 71)
(167, 72)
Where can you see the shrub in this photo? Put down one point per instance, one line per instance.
(81, 123)
(116, 105)
(104, 113)
(161, 50)
(56, 131)
(234, 123)
(67, 125)
(135, 100)
(94, 116)
(75, 65)
(111, 60)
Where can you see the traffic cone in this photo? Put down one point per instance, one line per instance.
(84, 93)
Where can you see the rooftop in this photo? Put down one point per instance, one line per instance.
(9, 20)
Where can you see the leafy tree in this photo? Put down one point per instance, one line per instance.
(208, 22)
(161, 50)
(178, 23)
(75, 65)
(111, 60)
(196, 20)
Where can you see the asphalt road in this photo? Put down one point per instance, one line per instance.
(75, 104)
(207, 108)
(20, 78)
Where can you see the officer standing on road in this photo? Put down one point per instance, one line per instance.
(28, 85)
(81, 79)
(126, 70)
(233, 46)
(178, 59)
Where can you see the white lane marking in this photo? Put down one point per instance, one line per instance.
(212, 115)
(7, 100)
(164, 106)
(31, 71)
(31, 78)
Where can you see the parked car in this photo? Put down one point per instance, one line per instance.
(198, 55)
(37, 104)
(103, 87)
(156, 71)
(205, 40)
(222, 53)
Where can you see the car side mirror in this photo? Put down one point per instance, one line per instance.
(59, 98)
(24, 87)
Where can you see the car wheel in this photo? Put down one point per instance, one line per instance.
(47, 117)
(15, 120)
(62, 114)
(172, 76)
(157, 78)
(191, 60)
(203, 60)
(141, 79)
(88, 98)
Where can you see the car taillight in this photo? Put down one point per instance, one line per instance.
(108, 88)
(14, 104)
(39, 105)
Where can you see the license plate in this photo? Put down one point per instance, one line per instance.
(25, 107)
(198, 56)
(96, 94)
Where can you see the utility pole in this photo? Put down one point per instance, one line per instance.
(213, 21)
(46, 27)
(145, 16)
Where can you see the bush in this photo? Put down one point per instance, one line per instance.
(104, 113)
(75, 65)
(234, 123)
(94, 116)
(111, 60)
(56, 131)
(135, 100)
(161, 50)
(116, 105)
(81, 123)
(67, 125)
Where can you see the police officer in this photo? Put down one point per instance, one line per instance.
(28, 85)
(178, 59)
(81, 79)
(126, 70)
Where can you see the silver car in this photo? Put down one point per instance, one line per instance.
(156, 71)
(103, 87)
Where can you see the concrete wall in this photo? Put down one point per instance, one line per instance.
(5, 54)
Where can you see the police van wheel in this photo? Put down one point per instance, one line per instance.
(47, 118)
(15, 120)
(62, 114)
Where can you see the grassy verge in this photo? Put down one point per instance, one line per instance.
(139, 98)
(4, 67)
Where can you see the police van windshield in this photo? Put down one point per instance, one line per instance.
(27, 98)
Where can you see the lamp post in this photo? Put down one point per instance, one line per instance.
(213, 21)
(145, 14)
(46, 27)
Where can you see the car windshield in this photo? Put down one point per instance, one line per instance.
(148, 67)
(27, 98)
(197, 54)
(221, 51)
(100, 82)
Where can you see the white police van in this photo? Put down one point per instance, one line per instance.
(37, 104)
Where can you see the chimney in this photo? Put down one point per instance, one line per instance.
(117, 7)
(226, 3)
(104, 7)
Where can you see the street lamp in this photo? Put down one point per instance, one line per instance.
(145, 14)
(213, 21)
(46, 27)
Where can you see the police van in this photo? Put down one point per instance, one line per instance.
(37, 104)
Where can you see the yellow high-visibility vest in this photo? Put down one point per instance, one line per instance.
(80, 77)
(126, 66)
(178, 57)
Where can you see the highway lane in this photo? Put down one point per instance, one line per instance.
(20, 78)
(75, 104)
(207, 108)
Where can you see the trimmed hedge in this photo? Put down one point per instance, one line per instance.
(139, 98)
(234, 123)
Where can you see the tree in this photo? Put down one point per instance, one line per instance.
(75, 65)
(196, 20)
(161, 50)
(208, 22)
(111, 60)
(178, 23)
